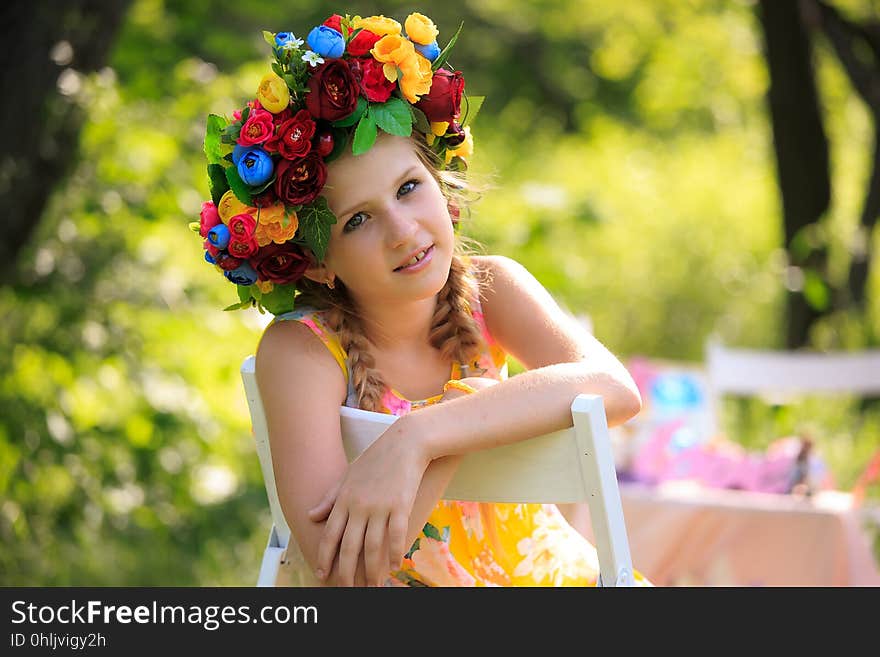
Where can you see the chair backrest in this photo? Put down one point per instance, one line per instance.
(572, 465)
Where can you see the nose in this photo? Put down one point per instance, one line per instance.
(401, 226)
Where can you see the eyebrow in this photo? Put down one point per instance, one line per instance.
(406, 174)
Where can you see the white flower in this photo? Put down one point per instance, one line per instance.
(294, 42)
(312, 58)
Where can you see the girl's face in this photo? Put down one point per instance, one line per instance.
(388, 207)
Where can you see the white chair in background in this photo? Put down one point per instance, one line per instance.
(568, 466)
(778, 376)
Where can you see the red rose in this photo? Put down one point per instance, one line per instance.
(362, 43)
(293, 139)
(280, 263)
(333, 91)
(369, 73)
(282, 116)
(300, 181)
(443, 101)
(335, 21)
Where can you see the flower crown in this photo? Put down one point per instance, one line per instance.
(267, 163)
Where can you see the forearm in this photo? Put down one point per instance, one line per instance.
(527, 405)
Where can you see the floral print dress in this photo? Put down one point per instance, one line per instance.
(470, 543)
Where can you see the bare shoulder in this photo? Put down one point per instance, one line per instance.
(524, 317)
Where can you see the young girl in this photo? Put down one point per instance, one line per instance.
(392, 314)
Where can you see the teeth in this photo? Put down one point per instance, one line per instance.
(415, 259)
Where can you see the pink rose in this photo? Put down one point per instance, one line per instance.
(258, 128)
(208, 218)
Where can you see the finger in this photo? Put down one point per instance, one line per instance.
(375, 558)
(329, 543)
(397, 526)
(350, 549)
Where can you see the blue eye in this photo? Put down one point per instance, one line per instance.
(407, 187)
(351, 226)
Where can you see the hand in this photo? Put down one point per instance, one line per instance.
(369, 509)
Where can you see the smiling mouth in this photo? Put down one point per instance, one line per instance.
(426, 252)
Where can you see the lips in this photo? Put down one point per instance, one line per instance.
(406, 262)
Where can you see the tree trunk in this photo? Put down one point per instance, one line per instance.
(42, 124)
(801, 148)
(854, 45)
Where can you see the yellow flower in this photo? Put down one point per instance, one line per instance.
(420, 29)
(230, 206)
(439, 128)
(378, 25)
(464, 150)
(272, 214)
(265, 286)
(275, 231)
(392, 49)
(416, 79)
(273, 93)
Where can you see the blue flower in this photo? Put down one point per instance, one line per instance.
(244, 274)
(218, 236)
(255, 167)
(209, 258)
(429, 52)
(287, 40)
(237, 152)
(326, 41)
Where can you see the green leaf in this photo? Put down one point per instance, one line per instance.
(279, 300)
(816, 292)
(244, 293)
(269, 37)
(352, 118)
(315, 220)
(413, 548)
(472, 105)
(214, 129)
(195, 226)
(419, 119)
(441, 58)
(259, 189)
(238, 306)
(238, 186)
(217, 182)
(364, 135)
(393, 116)
(276, 68)
(431, 531)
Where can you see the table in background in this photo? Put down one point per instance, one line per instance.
(684, 534)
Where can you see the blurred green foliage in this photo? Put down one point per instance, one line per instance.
(630, 163)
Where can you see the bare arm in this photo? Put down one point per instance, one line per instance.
(305, 436)
(563, 360)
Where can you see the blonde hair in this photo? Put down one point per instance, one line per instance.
(454, 331)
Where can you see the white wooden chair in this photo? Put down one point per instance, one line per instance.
(779, 376)
(572, 465)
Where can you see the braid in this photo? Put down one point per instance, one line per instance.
(453, 329)
(368, 382)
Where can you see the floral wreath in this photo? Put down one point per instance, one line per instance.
(267, 163)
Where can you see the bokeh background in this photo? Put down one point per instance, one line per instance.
(629, 152)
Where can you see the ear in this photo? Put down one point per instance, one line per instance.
(320, 273)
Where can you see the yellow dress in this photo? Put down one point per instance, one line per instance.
(471, 543)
